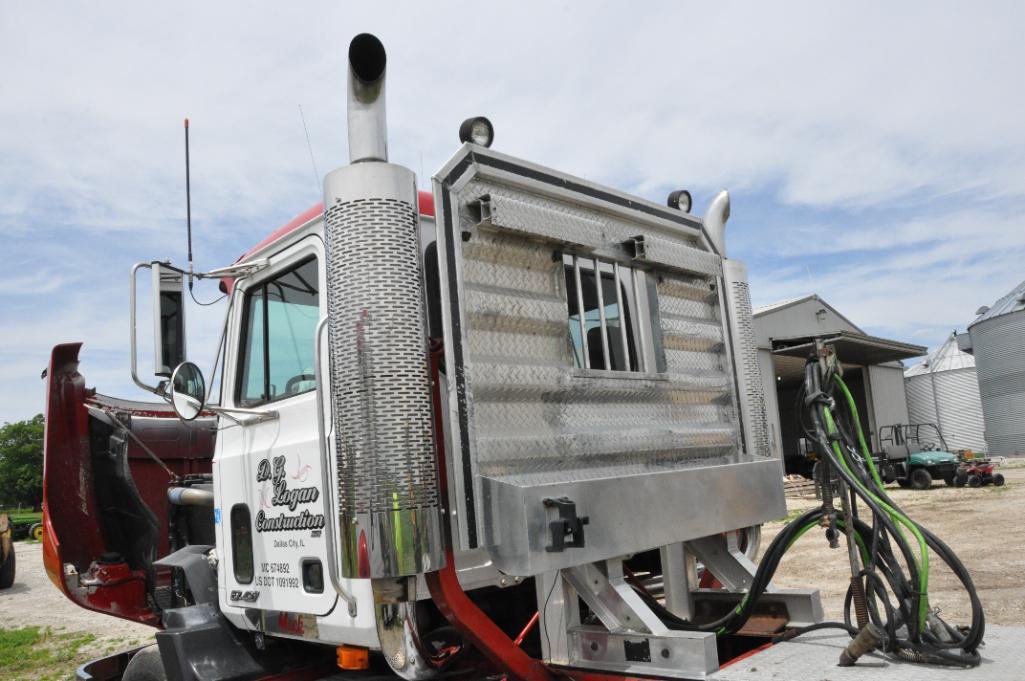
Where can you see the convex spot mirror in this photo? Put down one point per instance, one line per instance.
(188, 391)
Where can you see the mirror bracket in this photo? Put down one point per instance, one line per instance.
(254, 415)
(155, 389)
(187, 395)
(234, 271)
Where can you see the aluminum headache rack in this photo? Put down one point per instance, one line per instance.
(601, 364)
(603, 399)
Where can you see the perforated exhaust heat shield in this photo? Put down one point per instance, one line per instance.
(388, 498)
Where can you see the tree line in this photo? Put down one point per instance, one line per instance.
(21, 464)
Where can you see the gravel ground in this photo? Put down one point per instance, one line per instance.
(34, 600)
(982, 526)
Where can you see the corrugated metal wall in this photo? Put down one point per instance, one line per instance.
(950, 399)
(886, 390)
(1000, 363)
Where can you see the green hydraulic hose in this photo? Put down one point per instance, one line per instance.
(923, 548)
(858, 430)
(865, 453)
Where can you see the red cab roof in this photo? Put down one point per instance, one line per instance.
(426, 207)
(426, 201)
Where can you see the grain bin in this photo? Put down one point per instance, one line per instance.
(997, 339)
(944, 390)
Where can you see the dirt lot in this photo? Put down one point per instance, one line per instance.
(982, 526)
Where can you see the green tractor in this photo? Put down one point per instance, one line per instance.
(915, 454)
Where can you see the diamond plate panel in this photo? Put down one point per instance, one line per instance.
(536, 417)
(676, 256)
(528, 417)
(615, 231)
(534, 219)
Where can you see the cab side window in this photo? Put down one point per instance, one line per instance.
(279, 322)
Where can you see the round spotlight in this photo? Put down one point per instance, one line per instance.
(680, 200)
(477, 130)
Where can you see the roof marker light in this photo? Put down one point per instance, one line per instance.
(477, 130)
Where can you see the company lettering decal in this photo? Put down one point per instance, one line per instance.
(273, 470)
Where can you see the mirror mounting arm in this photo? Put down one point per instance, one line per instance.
(187, 396)
(238, 270)
(255, 415)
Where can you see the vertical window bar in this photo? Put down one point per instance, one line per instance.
(642, 318)
(601, 315)
(580, 313)
(266, 346)
(622, 315)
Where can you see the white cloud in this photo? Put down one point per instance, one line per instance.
(847, 111)
(918, 279)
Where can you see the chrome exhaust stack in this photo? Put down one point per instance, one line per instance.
(368, 127)
(716, 215)
(388, 494)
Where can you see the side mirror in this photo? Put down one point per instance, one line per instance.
(168, 319)
(188, 391)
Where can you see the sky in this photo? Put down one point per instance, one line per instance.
(874, 152)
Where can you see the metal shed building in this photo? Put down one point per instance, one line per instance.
(943, 389)
(997, 339)
(785, 333)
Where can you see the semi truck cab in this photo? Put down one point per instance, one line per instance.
(512, 425)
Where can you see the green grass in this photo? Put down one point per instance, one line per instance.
(41, 653)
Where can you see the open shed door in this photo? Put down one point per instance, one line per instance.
(592, 348)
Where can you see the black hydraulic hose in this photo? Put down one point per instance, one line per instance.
(816, 399)
(883, 573)
(801, 631)
(977, 630)
(920, 639)
(970, 641)
(763, 575)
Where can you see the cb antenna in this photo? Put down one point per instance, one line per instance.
(188, 201)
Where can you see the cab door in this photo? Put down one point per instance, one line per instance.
(272, 505)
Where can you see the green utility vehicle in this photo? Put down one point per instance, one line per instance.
(915, 454)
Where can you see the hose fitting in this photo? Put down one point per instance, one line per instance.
(867, 640)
